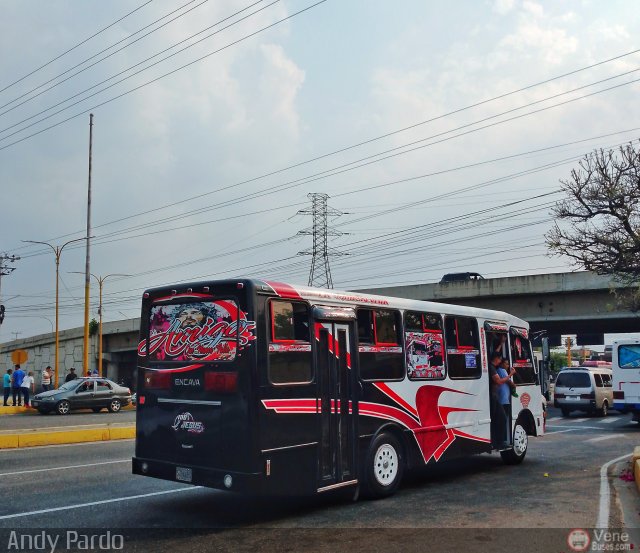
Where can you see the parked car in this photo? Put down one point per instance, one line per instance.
(83, 393)
(584, 389)
(460, 277)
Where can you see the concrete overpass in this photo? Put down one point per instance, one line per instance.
(560, 303)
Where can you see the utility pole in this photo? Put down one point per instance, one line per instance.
(87, 277)
(569, 351)
(4, 271)
(320, 273)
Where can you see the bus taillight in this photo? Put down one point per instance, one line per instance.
(221, 382)
(157, 379)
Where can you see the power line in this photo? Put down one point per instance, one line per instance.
(148, 82)
(101, 52)
(74, 47)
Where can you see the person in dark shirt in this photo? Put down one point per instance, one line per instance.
(71, 376)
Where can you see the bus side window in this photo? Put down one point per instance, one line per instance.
(365, 326)
(463, 347)
(289, 347)
(521, 358)
(379, 344)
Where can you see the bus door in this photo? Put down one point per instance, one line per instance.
(497, 342)
(337, 396)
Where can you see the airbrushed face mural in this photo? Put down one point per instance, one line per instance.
(198, 331)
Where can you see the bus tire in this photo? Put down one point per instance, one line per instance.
(384, 466)
(516, 454)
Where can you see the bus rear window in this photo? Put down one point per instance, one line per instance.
(205, 331)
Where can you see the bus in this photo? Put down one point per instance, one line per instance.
(267, 388)
(626, 377)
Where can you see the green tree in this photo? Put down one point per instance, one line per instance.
(93, 327)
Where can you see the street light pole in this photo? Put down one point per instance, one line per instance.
(57, 251)
(85, 362)
(100, 280)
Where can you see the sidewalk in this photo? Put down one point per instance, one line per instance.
(56, 435)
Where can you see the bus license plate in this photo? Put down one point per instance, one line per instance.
(184, 474)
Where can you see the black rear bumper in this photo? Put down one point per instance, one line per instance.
(241, 482)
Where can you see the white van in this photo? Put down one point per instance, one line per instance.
(584, 389)
(626, 377)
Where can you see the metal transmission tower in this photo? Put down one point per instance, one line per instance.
(4, 271)
(320, 273)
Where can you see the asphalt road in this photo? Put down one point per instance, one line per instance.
(475, 503)
(33, 419)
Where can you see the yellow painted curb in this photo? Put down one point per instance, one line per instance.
(31, 439)
(9, 441)
(122, 433)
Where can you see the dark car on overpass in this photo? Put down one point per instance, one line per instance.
(460, 277)
(83, 393)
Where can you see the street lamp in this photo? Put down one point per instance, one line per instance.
(57, 250)
(101, 280)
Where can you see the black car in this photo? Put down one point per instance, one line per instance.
(83, 393)
(460, 277)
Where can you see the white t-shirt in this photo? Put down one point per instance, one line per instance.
(27, 382)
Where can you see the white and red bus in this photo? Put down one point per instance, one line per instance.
(262, 387)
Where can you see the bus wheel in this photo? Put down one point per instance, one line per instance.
(515, 455)
(384, 466)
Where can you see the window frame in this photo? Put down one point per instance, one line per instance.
(280, 341)
(465, 350)
(272, 336)
(426, 330)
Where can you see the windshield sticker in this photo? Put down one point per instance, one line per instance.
(202, 331)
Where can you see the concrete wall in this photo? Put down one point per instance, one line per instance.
(120, 340)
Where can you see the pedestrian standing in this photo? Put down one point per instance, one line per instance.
(7, 380)
(71, 376)
(18, 377)
(46, 379)
(27, 386)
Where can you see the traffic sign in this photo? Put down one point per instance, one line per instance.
(19, 356)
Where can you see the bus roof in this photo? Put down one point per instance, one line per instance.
(320, 296)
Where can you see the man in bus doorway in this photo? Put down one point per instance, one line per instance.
(500, 402)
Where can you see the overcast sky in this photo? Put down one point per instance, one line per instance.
(440, 130)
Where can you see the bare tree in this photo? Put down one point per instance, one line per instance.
(598, 222)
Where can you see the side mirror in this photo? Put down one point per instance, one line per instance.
(545, 349)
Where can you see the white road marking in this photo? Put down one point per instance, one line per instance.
(553, 419)
(63, 468)
(560, 431)
(92, 503)
(578, 420)
(602, 438)
(608, 420)
(575, 427)
(605, 493)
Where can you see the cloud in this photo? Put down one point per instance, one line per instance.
(502, 7)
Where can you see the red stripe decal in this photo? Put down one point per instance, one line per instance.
(284, 290)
